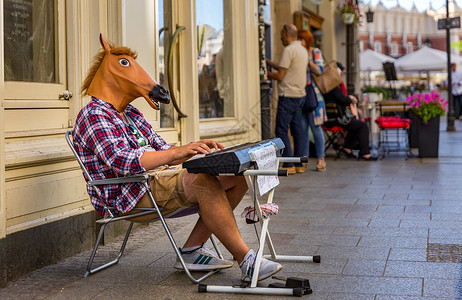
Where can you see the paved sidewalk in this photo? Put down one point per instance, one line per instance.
(390, 229)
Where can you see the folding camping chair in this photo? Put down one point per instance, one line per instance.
(333, 132)
(143, 179)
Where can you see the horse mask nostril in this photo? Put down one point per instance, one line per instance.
(161, 94)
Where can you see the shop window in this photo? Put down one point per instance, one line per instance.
(30, 48)
(214, 59)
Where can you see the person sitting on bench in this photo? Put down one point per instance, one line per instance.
(113, 139)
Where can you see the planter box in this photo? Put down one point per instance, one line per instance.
(413, 136)
(428, 137)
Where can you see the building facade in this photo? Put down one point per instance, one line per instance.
(47, 48)
(206, 52)
(397, 31)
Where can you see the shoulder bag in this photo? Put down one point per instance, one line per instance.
(311, 101)
(329, 79)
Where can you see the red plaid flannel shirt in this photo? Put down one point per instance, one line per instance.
(108, 149)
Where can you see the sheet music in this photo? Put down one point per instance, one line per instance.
(265, 158)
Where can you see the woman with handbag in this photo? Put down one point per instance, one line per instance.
(357, 129)
(314, 112)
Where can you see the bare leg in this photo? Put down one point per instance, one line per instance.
(216, 199)
(235, 188)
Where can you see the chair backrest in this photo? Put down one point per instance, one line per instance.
(71, 145)
(82, 166)
(332, 111)
(393, 107)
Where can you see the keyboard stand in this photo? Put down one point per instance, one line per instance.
(251, 179)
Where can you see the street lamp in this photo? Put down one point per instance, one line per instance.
(369, 15)
(451, 118)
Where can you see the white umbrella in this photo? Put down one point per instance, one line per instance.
(370, 60)
(425, 59)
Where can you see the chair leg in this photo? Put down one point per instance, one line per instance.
(178, 254)
(91, 271)
(174, 245)
(217, 249)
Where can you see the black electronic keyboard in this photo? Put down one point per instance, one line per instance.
(232, 160)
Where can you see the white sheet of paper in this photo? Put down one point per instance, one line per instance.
(266, 160)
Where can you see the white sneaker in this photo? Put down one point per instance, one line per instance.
(202, 259)
(267, 267)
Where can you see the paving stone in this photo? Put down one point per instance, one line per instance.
(430, 223)
(350, 252)
(434, 197)
(341, 222)
(315, 230)
(391, 208)
(393, 223)
(329, 240)
(327, 266)
(445, 232)
(346, 296)
(406, 254)
(400, 242)
(387, 297)
(389, 215)
(381, 232)
(405, 202)
(442, 288)
(422, 269)
(419, 209)
(395, 196)
(446, 216)
(364, 267)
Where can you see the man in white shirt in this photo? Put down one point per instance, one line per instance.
(291, 76)
(456, 89)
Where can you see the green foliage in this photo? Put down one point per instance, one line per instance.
(379, 90)
(428, 106)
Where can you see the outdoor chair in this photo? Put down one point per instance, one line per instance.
(144, 179)
(393, 128)
(334, 133)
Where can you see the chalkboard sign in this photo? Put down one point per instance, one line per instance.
(390, 71)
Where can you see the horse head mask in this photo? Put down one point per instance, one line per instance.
(118, 79)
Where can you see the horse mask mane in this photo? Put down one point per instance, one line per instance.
(115, 77)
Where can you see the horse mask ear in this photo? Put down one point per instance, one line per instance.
(104, 44)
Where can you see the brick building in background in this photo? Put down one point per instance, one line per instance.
(397, 31)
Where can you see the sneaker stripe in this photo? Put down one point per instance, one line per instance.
(250, 271)
(198, 259)
(202, 261)
(208, 260)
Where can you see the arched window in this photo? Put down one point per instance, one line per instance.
(378, 46)
(394, 49)
(410, 47)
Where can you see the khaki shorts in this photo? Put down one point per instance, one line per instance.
(167, 188)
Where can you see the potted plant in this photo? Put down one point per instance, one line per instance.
(427, 109)
(349, 12)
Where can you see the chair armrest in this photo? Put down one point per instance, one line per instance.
(118, 180)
